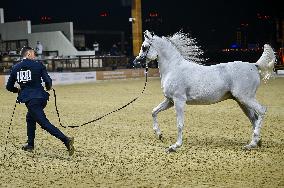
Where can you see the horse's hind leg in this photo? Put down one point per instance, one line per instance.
(161, 107)
(255, 112)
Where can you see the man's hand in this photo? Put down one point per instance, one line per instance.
(48, 87)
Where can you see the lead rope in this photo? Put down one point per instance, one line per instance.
(107, 114)
(118, 109)
(5, 150)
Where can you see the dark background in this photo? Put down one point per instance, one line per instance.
(213, 23)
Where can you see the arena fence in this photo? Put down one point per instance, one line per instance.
(81, 63)
(76, 63)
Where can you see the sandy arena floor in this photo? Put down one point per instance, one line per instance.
(121, 150)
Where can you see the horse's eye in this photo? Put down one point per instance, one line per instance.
(144, 48)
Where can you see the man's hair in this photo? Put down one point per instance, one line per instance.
(24, 50)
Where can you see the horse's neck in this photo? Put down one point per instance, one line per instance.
(169, 57)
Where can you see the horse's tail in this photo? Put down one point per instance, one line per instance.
(266, 62)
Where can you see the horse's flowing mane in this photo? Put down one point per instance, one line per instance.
(187, 47)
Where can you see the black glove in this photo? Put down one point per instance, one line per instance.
(47, 86)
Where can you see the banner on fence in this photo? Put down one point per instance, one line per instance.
(2, 80)
(72, 77)
(61, 78)
(154, 73)
(126, 73)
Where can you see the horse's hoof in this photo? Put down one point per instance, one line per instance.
(250, 147)
(247, 147)
(170, 150)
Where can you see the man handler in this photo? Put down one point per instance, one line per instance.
(29, 75)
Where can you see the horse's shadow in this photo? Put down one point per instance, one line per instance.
(229, 143)
(217, 141)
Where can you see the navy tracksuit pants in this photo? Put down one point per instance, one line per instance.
(36, 115)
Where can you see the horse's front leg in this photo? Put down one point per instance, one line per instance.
(161, 107)
(179, 107)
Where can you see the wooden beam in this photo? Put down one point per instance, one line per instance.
(136, 26)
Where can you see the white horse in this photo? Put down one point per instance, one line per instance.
(184, 81)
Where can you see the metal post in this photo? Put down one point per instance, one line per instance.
(53, 65)
(80, 63)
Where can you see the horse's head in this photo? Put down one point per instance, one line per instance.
(147, 52)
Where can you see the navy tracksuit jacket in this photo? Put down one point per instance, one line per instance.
(29, 75)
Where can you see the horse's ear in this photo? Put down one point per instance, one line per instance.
(147, 34)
